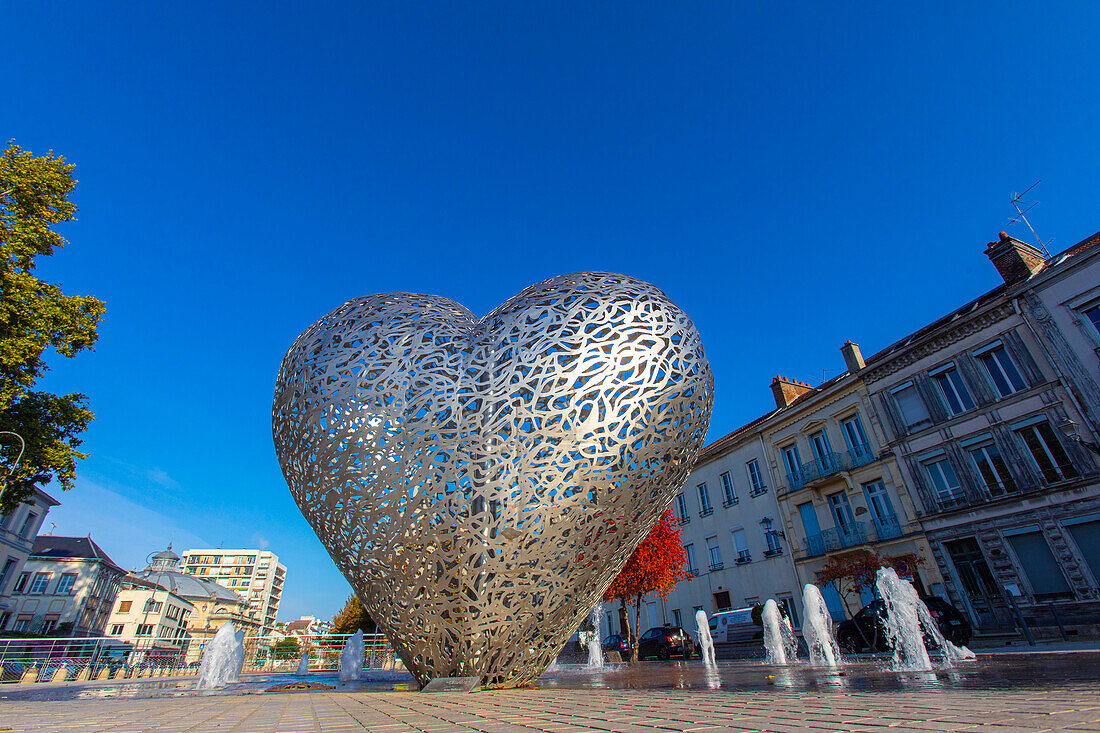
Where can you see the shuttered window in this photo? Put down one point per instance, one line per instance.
(1039, 566)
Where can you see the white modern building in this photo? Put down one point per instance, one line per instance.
(17, 533)
(68, 586)
(255, 575)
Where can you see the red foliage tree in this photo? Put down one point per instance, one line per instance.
(854, 572)
(656, 566)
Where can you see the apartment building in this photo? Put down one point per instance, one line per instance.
(257, 575)
(731, 530)
(839, 490)
(67, 586)
(991, 412)
(17, 533)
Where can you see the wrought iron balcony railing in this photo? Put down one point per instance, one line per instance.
(837, 538)
(828, 464)
(743, 557)
(716, 566)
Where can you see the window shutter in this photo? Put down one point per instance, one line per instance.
(1016, 457)
(975, 379)
(891, 415)
(965, 471)
(936, 409)
(1022, 356)
(923, 493)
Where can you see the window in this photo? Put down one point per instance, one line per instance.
(28, 525)
(1002, 372)
(911, 406)
(991, 466)
(1041, 569)
(792, 462)
(953, 389)
(116, 630)
(40, 582)
(1092, 313)
(823, 452)
(854, 436)
(22, 622)
(740, 545)
(788, 605)
(771, 538)
(9, 568)
(144, 630)
(690, 550)
(1049, 455)
(21, 583)
(682, 509)
(756, 480)
(124, 606)
(714, 553)
(944, 481)
(676, 621)
(722, 601)
(65, 584)
(152, 606)
(704, 501)
(727, 489)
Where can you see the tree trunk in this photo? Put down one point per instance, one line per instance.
(638, 626)
(629, 632)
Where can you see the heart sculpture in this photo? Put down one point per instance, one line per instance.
(480, 483)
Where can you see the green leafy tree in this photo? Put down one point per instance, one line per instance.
(286, 649)
(36, 316)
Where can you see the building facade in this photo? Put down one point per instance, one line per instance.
(67, 586)
(991, 424)
(729, 524)
(838, 487)
(17, 533)
(257, 575)
(213, 605)
(153, 622)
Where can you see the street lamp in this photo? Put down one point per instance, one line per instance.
(22, 449)
(1071, 430)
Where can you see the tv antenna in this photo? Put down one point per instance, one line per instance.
(1022, 207)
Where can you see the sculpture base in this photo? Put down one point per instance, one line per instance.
(453, 684)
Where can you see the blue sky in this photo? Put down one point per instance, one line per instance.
(792, 174)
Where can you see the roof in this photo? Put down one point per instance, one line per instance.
(1056, 261)
(70, 548)
(186, 586)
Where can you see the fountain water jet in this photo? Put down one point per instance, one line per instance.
(303, 664)
(222, 659)
(779, 643)
(351, 657)
(706, 642)
(818, 628)
(907, 620)
(595, 648)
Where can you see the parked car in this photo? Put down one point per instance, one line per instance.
(617, 643)
(866, 631)
(735, 625)
(665, 642)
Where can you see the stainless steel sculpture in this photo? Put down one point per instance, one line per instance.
(481, 482)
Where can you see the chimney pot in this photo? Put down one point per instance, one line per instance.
(853, 358)
(1016, 261)
(787, 391)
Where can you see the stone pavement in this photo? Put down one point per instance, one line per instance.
(1061, 707)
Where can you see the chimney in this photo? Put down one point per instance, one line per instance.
(852, 356)
(1015, 260)
(787, 391)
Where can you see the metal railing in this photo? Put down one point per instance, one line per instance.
(837, 538)
(828, 464)
(104, 657)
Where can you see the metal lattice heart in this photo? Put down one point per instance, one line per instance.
(481, 482)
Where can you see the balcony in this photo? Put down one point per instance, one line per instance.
(773, 552)
(684, 520)
(888, 529)
(758, 490)
(829, 464)
(836, 539)
(714, 566)
(743, 557)
(729, 502)
(706, 512)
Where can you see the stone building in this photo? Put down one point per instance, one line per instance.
(838, 486)
(990, 411)
(68, 586)
(17, 532)
(153, 621)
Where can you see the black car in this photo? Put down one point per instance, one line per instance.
(665, 642)
(616, 643)
(866, 630)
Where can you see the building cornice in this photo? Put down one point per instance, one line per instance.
(937, 341)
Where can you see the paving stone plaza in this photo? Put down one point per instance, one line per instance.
(572, 711)
(1002, 693)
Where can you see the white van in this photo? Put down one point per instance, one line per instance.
(733, 626)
